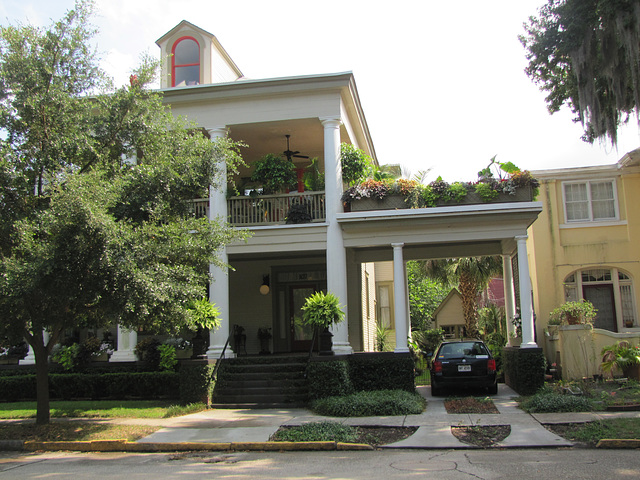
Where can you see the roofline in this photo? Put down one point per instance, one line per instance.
(344, 80)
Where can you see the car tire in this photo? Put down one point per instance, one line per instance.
(435, 391)
(493, 389)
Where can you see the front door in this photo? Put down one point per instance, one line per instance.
(301, 334)
(602, 298)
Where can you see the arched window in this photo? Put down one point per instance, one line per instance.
(185, 62)
(610, 291)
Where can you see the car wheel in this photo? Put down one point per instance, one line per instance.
(493, 389)
(435, 391)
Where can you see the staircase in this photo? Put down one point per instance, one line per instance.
(261, 382)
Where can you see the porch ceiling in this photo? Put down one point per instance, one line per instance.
(467, 230)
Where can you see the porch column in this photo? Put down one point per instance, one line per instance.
(400, 299)
(219, 287)
(126, 343)
(526, 310)
(336, 254)
(509, 296)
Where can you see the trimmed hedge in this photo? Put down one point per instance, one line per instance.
(328, 379)
(360, 372)
(95, 386)
(196, 383)
(382, 371)
(371, 403)
(524, 369)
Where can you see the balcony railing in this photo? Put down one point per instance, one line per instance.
(266, 209)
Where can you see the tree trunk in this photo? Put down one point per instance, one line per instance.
(468, 292)
(41, 353)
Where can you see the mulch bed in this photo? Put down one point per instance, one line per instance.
(470, 405)
(486, 436)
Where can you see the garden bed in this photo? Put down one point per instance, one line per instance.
(470, 405)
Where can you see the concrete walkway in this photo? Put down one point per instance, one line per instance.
(434, 425)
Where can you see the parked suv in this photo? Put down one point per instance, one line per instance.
(464, 363)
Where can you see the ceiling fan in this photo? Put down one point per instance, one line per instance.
(291, 154)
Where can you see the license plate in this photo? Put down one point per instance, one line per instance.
(464, 368)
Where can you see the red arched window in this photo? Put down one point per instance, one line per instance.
(185, 62)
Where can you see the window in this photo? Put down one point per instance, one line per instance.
(385, 305)
(590, 201)
(610, 291)
(185, 62)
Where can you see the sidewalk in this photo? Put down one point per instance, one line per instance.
(434, 425)
(222, 429)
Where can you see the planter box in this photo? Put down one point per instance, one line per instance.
(523, 194)
(392, 202)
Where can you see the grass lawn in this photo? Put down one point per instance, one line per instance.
(74, 431)
(100, 409)
(591, 433)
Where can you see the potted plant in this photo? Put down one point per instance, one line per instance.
(321, 310)
(573, 313)
(623, 357)
(264, 335)
(274, 172)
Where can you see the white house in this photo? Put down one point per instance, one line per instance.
(336, 250)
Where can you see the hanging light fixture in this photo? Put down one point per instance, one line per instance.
(264, 288)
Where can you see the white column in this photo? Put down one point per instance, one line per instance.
(400, 299)
(336, 253)
(126, 343)
(526, 310)
(219, 287)
(509, 295)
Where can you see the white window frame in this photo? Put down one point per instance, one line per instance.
(588, 184)
(573, 291)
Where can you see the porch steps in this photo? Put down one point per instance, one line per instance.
(261, 382)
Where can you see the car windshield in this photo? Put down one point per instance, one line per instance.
(463, 349)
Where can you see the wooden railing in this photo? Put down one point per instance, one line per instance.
(266, 209)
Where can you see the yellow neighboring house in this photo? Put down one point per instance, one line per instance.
(586, 245)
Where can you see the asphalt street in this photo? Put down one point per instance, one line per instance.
(383, 464)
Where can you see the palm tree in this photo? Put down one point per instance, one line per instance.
(470, 275)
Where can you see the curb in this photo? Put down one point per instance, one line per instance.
(125, 446)
(618, 443)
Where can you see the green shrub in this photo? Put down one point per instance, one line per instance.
(317, 432)
(168, 357)
(147, 351)
(382, 371)
(196, 383)
(373, 403)
(551, 402)
(327, 379)
(524, 369)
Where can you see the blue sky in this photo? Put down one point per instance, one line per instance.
(442, 83)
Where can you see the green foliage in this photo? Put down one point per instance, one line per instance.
(196, 383)
(425, 295)
(552, 402)
(457, 191)
(371, 403)
(381, 371)
(524, 369)
(355, 163)
(585, 54)
(274, 173)
(313, 177)
(203, 314)
(381, 338)
(573, 313)
(328, 379)
(66, 356)
(317, 432)
(147, 351)
(486, 192)
(620, 356)
(322, 310)
(428, 340)
(168, 357)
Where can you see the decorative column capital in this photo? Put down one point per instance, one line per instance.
(521, 238)
(217, 132)
(331, 122)
(397, 245)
